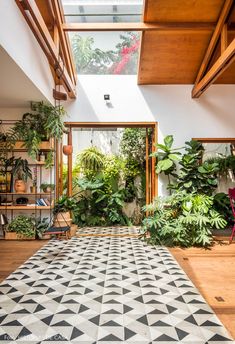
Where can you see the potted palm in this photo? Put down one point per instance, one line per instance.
(22, 172)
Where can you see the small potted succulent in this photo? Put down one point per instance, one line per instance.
(22, 172)
(21, 227)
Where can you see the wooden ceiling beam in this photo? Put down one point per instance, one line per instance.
(223, 62)
(140, 26)
(35, 20)
(64, 40)
(214, 39)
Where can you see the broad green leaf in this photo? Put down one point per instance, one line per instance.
(188, 185)
(164, 148)
(174, 157)
(168, 140)
(164, 165)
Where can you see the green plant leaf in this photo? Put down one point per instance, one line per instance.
(168, 140)
(164, 165)
(174, 157)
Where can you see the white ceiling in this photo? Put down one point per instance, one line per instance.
(16, 89)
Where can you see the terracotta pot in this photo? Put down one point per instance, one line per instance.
(67, 149)
(20, 186)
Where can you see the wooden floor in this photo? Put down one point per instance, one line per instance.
(15, 253)
(212, 272)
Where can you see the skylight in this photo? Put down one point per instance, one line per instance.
(105, 52)
(93, 11)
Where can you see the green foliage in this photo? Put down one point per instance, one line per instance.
(133, 150)
(98, 203)
(41, 225)
(132, 144)
(90, 60)
(121, 60)
(45, 186)
(91, 161)
(44, 123)
(21, 169)
(23, 226)
(225, 164)
(64, 204)
(182, 219)
(167, 157)
(222, 206)
(195, 176)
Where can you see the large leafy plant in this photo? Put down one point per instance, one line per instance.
(91, 161)
(98, 203)
(23, 225)
(167, 157)
(45, 122)
(195, 175)
(182, 219)
(21, 169)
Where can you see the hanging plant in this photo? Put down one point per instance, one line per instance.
(44, 123)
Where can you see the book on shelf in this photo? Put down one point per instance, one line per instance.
(43, 202)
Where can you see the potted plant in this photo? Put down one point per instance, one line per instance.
(47, 188)
(22, 171)
(41, 225)
(21, 227)
(44, 123)
(62, 211)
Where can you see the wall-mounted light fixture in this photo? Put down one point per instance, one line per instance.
(108, 100)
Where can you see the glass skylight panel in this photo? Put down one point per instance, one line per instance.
(93, 11)
(105, 52)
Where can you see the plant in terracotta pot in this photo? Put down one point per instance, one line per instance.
(23, 226)
(47, 188)
(22, 171)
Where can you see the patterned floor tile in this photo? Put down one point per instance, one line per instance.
(104, 289)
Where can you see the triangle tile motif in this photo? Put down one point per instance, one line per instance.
(104, 289)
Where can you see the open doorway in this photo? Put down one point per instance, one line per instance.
(111, 171)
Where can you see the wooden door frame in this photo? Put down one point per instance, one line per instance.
(151, 177)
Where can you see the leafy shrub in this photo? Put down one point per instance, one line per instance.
(23, 225)
(184, 219)
(222, 206)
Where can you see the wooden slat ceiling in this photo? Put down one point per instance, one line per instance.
(174, 56)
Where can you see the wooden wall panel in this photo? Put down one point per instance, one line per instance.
(182, 10)
(172, 57)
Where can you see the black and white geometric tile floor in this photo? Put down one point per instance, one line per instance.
(100, 290)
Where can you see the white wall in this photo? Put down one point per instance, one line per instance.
(19, 42)
(212, 115)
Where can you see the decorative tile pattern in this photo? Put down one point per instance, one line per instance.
(101, 290)
(115, 231)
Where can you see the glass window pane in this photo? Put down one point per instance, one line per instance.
(105, 52)
(94, 11)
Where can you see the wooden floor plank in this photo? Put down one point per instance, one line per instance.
(213, 273)
(15, 253)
